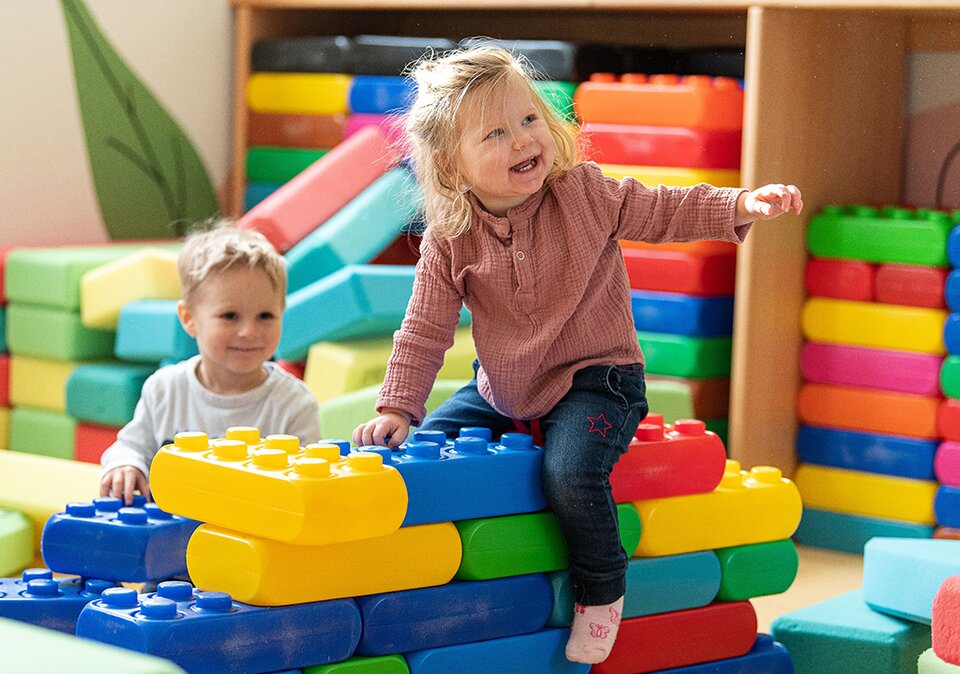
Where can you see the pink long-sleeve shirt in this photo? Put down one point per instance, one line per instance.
(546, 287)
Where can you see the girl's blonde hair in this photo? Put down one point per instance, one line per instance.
(434, 131)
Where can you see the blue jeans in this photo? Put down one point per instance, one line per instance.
(585, 435)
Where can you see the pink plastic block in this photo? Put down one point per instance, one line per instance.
(391, 126)
(946, 463)
(323, 188)
(840, 279)
(667, 461)
(946, 621)
(898, 371)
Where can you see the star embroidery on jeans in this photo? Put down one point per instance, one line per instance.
(599, 424)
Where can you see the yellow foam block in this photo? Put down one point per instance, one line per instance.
(148, 274)
(298, 93)
(747, 507)
(673, 175)
(38, 382)
(867, 494)
(278, 490)
(4, 427)
(40, 486)
(269, 573)
(335, 368)
(869, 324)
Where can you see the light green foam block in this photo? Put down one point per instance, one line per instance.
(16, 542)
(670, 398)
(387, 664)
(55, 334)
(929, 663)
(44, 432)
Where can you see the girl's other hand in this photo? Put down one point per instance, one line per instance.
(392, 424)
(769, 201)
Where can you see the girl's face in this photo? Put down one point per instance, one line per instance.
(506, 148)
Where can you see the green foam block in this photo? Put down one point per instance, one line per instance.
(16, 542)
(37, 431)
(388, 664)
(757, 570)
(56, 334)
(681, 356)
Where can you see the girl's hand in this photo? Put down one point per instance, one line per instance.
(768, 202)
(393, 424)
(122, 481)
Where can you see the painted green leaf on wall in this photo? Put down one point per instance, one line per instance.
(149, 180)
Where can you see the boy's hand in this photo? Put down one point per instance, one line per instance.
(768, 202)
(394, 424)
(122, 481)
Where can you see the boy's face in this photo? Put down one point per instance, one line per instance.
(235, 315)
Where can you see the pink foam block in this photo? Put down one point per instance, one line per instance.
(321, 189)
(946, 621)
(946, 463)
(899, 371)
(391, 126)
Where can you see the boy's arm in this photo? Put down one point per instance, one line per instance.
(134, 443)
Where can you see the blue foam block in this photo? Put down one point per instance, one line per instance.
(257, 192)
(541, 651)
(766, 656)
(678, 314)
(456, 613)
(868, 452)
(149, 331)
(469, 478)
(946, 506)
(901, 576)
(208, 632)
(380, 94)
(38, 599)
(357, 233)
(849, 533)
(654, 585)
(842, 634)
(106, 393)
(104, 540)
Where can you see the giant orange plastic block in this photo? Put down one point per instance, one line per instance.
(747, 507)
(323, 188)
(870, 410)
(696, 101)
(278, 490)
(268, 573)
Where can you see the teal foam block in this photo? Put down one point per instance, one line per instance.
(357, 301)
(901, 576)
(357, 233)
(149, 331)
(654, 585)
(106, 393)
(849, 533)
(55, 334)
(843, 634)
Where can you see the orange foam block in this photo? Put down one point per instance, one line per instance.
(946, 621)
(320, 190)
(869, 410)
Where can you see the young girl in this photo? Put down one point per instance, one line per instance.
(525, 237)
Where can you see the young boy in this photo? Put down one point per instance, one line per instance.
(233, 296)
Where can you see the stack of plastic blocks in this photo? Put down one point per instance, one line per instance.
(944, 656)
(37, 598)
(872, 364)
(947, 502)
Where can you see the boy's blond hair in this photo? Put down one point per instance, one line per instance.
(223, 247)
(434, 132)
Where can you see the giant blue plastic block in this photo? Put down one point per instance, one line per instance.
(680, 314)
(901, 576)
(953, 248)
(380, 94)
(896, 455)
(952, 290)
(104, 540)
(654, 585)
(106, 393)
(469, 478)
(951, 333)
(456, 613)
(765, 657)
(946, 506)
(38, 599)
(357, 233)
(149, 331)
(209, 632)
(842, 634)
(849, 533)
(541, 651)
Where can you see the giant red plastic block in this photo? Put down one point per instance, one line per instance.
(948, 419)
(669, 461)
(840, 279)
(912, 285)
(323, 188)
(946, 621)
(673, 272)
(680, 638)
(637, 145)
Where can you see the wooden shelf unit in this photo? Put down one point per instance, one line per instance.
(825, 87)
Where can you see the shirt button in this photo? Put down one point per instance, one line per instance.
(520, 255)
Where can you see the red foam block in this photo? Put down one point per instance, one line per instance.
(91, 440)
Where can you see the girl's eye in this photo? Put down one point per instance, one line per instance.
(529, 119)
(496, 133)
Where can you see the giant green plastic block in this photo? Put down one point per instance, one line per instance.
(387, 664)
(54, 333)
(559, 95)
(757, 570)
(680, 356)
(278, 164)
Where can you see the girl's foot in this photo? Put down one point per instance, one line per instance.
(593, 632)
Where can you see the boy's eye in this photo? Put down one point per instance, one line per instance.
(266, 316)
(229, 315)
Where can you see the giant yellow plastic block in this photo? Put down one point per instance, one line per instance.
(148, 274)
(298, 93)
(868, 494)
(747, 507)
(869, 324)
(672, 175)
(268, 573)
(39, 382)
(335, 368)
(278, 490)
